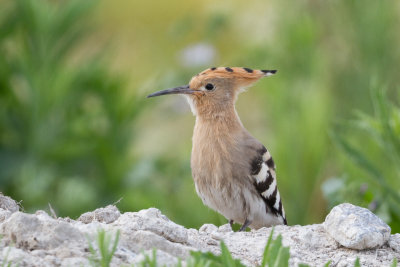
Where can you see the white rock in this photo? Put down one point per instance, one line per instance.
(8, 203)
(4, 214)
(162, 258)
(225, 228)
(208, 228)
(40, 240)
(108, 214)
(29, 232)
(355, 227)
(14, 255)
(394, 242)
(144, 240)
(75, 261)
(152, 220)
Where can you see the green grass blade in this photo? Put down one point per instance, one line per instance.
(361, 161)
(282, 260)
(106, 250)
(394, 263)
(227, 259)
(274, 251)
(357, 263)
(267, 247)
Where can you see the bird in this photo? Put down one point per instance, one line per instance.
(234, 174)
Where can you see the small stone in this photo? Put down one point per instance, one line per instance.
(394, 242)
(208, 228)
(8, 203)
(216, 236)
(19, 228)
(108, 214)
(212, 242)
(86, 217)
(225, 228)
(4, 214)
(355, 227)
(31, 232)
(154, 221)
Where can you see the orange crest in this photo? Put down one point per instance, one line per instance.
(243, 77)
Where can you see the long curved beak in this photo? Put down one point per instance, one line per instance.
(177, 90)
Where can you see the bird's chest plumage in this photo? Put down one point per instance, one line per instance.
(216, 162)
(214, 154)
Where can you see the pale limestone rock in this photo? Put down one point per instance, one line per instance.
(7, 207)
(108, 214)
(7, 203)
(144, 240)
(40, 240)
(4, 214)
(13, 254)
(394, 242)
(356, 228)
(208, 228)
(75, 261)
(29, 231)
(154, 221)
(163, 258)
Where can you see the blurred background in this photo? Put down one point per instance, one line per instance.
(76, 130)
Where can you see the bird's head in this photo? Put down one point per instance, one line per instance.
(216, 89)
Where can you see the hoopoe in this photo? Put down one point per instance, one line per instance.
(234, 174)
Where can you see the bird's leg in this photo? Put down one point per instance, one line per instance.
(231, 224)
(244, 226)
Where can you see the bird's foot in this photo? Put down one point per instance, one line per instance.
(245, 225)
(231, 224)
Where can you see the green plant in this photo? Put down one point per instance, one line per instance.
(306, 265)
(275, 255)
(5, 262)
(357, 262)
(373, 146)
(149, 261)
(198, 259)
(66, 121)
(103, 252)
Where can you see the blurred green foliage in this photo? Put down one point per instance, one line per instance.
(373, 144)
(65, 123)
(77, 131)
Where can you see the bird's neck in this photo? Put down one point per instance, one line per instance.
(218, 121)
(215, 140)
(219, 131)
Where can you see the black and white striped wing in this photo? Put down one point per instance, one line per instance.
(263, 172)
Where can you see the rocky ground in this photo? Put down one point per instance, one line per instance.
(43, 240)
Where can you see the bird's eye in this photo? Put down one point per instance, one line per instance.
(209, 86)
